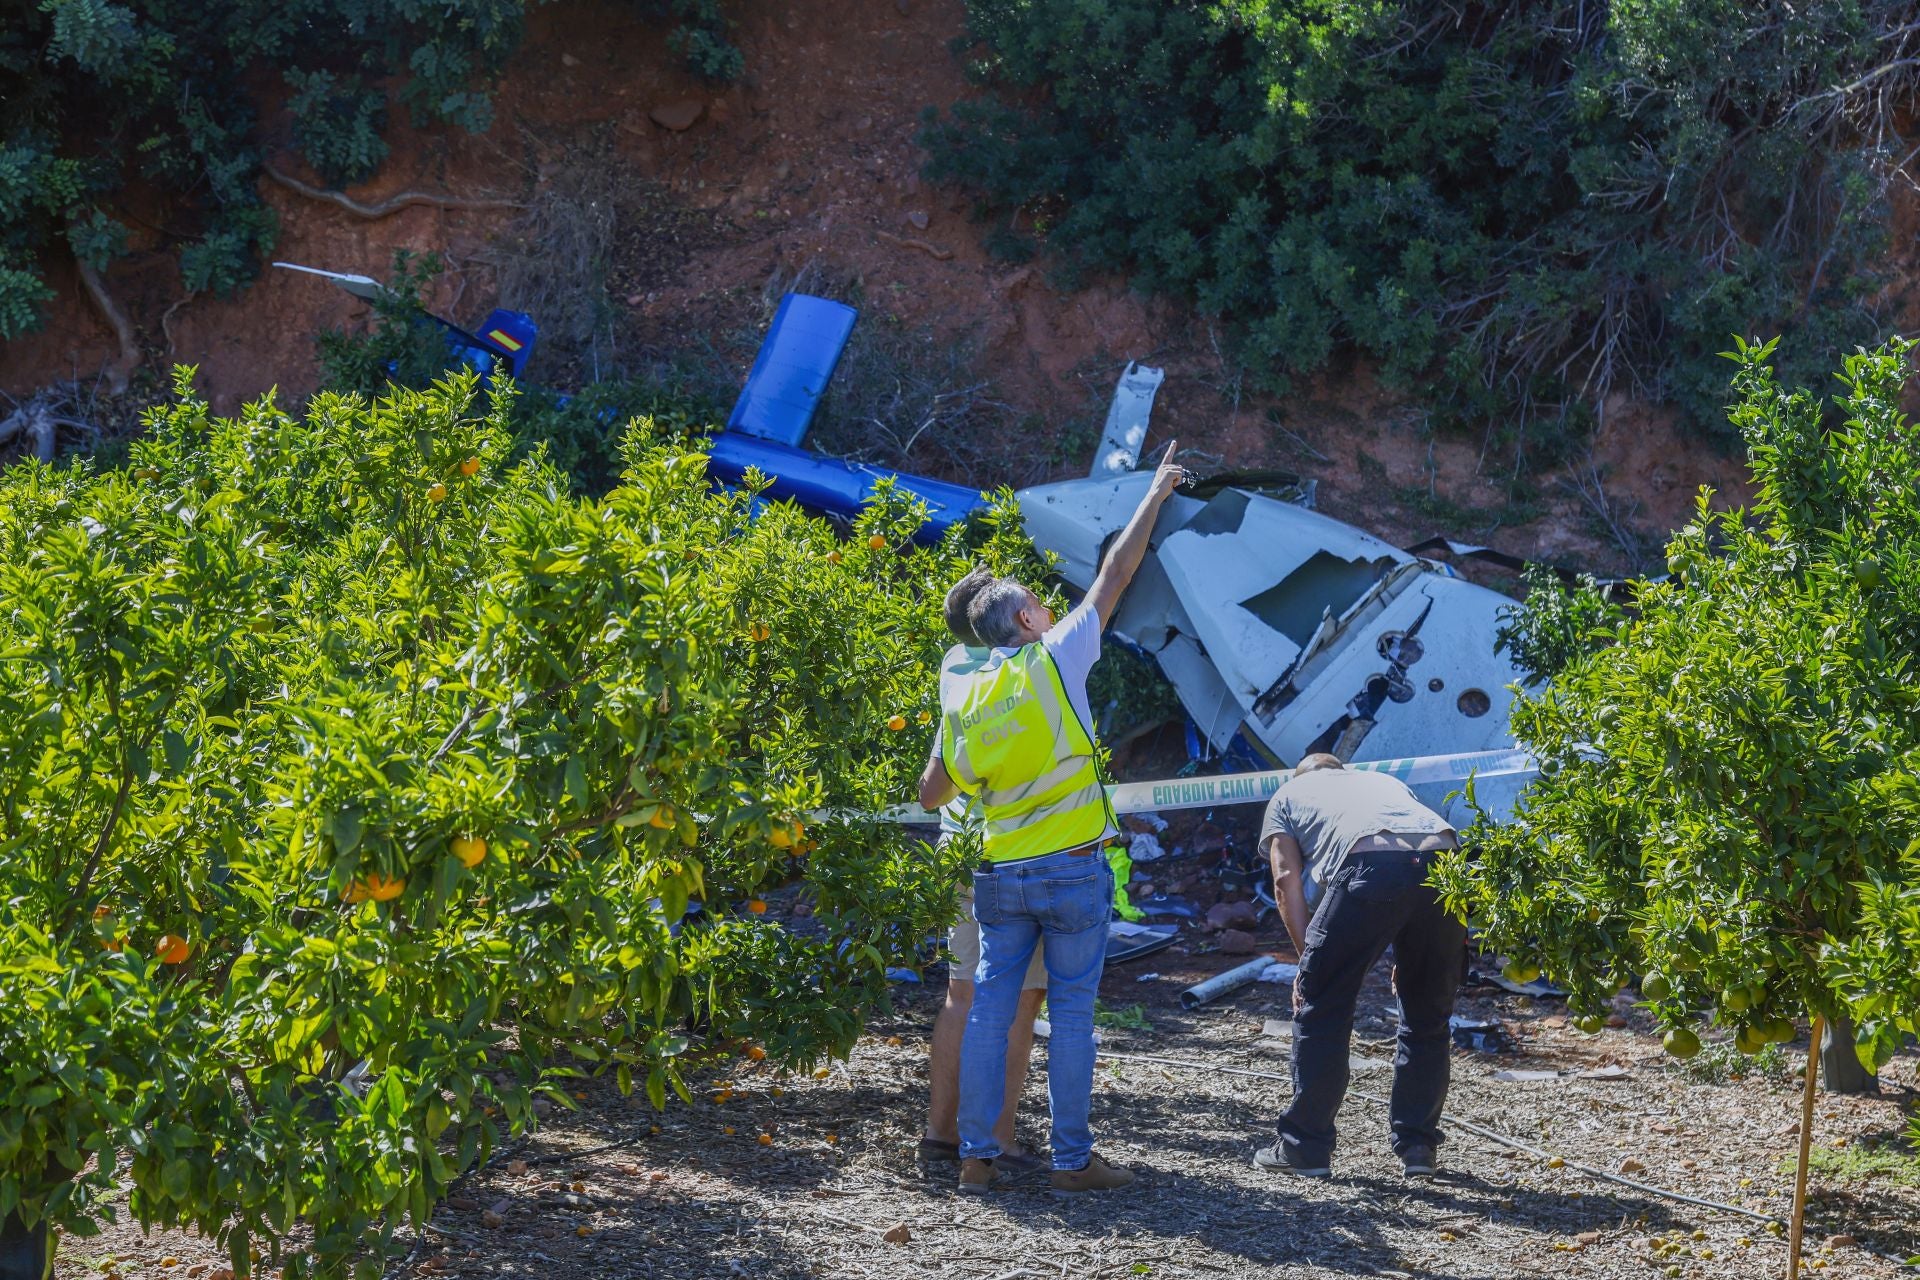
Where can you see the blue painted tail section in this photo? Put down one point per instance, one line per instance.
(791, 373)
(828, 484)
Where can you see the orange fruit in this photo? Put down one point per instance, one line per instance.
(470, 850)
(757, 906)
(662, 817)
(146, 473)
(833, 557)
(583, 1230)
(470, 468)
(780, 837)
(765, 1139)
(376, 886)
(728, 1131)
(102, 911)
(925, 717)
(171, 949)
(760, 632)
(896, 723)
(438, 493)
(877, 542)
(755, 1052)
(833, 1138)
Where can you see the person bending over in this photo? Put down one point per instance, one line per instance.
(1370, 843)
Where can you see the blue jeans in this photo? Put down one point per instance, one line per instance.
(1065, 898)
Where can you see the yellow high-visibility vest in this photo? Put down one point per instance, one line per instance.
(1009, 736)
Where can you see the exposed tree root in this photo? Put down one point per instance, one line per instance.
(40, 422)
(932, 250)
(392, 204)
(166, 320)
(120, 372)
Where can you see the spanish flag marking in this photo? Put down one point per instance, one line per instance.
(498, 336)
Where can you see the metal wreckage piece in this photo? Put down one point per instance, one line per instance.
(1282, 625)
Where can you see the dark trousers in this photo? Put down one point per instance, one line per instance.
(1376, 899)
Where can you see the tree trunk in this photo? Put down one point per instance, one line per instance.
(1840, 1066)
(24, 1254)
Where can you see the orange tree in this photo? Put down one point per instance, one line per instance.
(355, 785)
(1729, 804)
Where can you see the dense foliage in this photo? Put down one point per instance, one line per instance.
(1513, 207)
(355, 784)
(1730, 795)
(97, 95)
(1555, 623)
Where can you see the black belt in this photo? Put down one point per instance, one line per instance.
(1404, 844)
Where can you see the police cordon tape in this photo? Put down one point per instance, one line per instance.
(1257, 788)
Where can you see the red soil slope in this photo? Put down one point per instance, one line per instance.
(812, 157)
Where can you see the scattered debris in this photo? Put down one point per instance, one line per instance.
(1144, 846)
(1539, 987)
(1224, 984)
(1480, 1036)
(1167, 904)
(1595, 1073)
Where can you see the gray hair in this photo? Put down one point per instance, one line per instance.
(995, 613)
(960, 599)
(1318, 760)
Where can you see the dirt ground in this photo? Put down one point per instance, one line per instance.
(792, 1176)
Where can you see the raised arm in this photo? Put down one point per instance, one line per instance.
(1130, 548)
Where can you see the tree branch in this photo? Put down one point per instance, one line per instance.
(392, 204)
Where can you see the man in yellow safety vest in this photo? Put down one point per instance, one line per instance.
(1017, 735)
(941, 1140)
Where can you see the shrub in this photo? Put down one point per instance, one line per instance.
(1730, 792)
(1515, 209)
(94, 94)
(1555, 623)
(259, 691)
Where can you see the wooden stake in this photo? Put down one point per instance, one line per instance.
(1806, 1146)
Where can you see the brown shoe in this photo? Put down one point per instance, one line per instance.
(976, 1177)
(1097, 1176)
